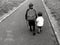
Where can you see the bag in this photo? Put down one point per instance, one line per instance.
(31, 15)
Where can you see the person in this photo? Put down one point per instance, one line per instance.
(39, 22)
(31, 17)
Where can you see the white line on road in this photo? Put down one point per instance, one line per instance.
(9, 39)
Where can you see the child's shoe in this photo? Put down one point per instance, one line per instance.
(34, 34)
(38, 32)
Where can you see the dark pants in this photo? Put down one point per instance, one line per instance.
(40, 27)
(32, 25)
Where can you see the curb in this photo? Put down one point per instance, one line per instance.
(53, 23)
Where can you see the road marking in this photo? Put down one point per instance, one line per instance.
(9, 36)
(9, 39)
(9, 31)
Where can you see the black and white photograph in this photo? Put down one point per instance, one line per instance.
(29, 22)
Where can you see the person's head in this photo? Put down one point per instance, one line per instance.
(30, 5)
(39, 13)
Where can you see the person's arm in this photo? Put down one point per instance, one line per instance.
(26, 14)
(36, 21)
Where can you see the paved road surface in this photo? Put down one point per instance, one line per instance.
(14, 31)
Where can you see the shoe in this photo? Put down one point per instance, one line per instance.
(38, 32)
(31, 30)
(34, 34)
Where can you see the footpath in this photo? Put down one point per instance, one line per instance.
(14, 31)
(53, 21)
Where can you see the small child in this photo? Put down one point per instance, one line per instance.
(39, 22)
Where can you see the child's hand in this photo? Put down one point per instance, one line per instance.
(35, 22)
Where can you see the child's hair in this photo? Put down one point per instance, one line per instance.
(39, 13)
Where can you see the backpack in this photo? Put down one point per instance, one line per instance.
(31, 15)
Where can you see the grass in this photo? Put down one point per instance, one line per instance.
(54, 6)
(7, 6)
(55, 15)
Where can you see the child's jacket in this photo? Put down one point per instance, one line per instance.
(40, 21)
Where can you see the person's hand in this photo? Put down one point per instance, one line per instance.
(35, 23)
(26, 22)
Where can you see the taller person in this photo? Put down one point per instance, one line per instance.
(30, 17)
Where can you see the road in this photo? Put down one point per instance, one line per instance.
(14, 30)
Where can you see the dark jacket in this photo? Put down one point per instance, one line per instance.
(27, 13)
